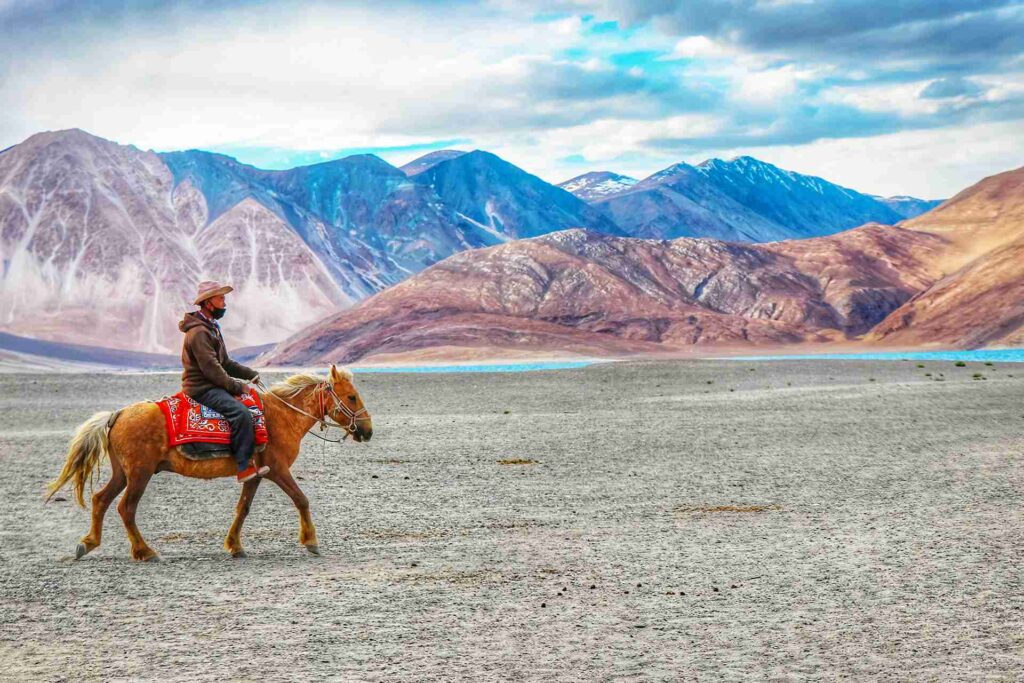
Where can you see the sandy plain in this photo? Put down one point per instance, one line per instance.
(690, 520)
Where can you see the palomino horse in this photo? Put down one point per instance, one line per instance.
(137, 446)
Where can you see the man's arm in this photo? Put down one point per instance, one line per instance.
(201, 344)
(238, 370)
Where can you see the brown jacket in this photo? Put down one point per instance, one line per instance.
(205, 359)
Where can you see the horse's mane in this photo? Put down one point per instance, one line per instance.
(289, 387)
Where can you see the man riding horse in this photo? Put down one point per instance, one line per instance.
(137, 439)
(211, 378)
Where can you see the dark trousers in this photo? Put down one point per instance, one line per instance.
(243, 440)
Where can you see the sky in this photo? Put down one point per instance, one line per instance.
(917, 97)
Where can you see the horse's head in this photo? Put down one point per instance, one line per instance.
(345, 406)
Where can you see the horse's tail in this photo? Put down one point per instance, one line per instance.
(86, 452)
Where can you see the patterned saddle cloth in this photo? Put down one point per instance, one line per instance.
(189, 422)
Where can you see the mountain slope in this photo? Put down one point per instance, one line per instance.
(743, 199)
(100, 246)
(980, 299)
(597, 185)
(506, 200)
(552, 292)
(90, 243)
(908, 207)
(364, 217)
(420, 164)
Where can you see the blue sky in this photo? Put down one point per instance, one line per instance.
(896, 97)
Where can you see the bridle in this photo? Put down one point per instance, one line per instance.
(322, 390)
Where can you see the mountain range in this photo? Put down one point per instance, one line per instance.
(102, 244)
(953, 277)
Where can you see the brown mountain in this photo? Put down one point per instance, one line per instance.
(979, 301)
(580, 292)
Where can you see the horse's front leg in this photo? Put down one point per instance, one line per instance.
(233, 542)
(307, 532)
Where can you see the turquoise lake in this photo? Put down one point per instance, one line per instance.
(980, 355)
(484, 367)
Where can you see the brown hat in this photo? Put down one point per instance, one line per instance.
(210, 288)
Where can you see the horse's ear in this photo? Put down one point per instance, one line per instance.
(334, 373)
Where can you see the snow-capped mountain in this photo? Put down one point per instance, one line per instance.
(99, 246)
(371, 225)
(96, 235)
(103, 244)
(421, 164)
(742, 199)
(908, 207)
(508, 202)
(597, 185)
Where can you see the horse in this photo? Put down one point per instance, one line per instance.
(135, 441)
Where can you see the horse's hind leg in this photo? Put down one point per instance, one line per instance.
(137, 482)
(101, 500)
(233, 542)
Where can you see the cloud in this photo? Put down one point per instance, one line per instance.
(939, 31)
(953, 86)
(933, 163)
(553, 86)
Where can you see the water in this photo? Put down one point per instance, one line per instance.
(978, 355)
(483, 367)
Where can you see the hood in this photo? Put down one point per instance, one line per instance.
(192, 319)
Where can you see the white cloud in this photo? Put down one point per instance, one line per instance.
(333, 76)
(930, 164)
(702, 47)
(902, 98)
(327, 77)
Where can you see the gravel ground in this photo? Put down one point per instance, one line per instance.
(712, 520)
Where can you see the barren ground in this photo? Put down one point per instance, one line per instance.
(715, 520)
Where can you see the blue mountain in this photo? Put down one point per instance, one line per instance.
(356, 205)
(743, 199)
(508, 202)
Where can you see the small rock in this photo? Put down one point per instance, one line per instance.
(638, 585)
(543, 604)
(592, 586)
(374, 477)
(734, 586)
(714, 588)
(670, 593)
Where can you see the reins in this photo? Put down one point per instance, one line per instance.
(325, 386)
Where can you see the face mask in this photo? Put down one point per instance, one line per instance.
(218, 313)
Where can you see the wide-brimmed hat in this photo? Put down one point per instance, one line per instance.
(210, 288)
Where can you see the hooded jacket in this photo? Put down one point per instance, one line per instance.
(205, 359)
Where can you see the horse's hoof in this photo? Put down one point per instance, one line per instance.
(153, 558)
(81, 551)
(241, 554)
(313, 550)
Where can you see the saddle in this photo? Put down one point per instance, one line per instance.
(201, 433)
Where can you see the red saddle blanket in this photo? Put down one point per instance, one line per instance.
(191, 422)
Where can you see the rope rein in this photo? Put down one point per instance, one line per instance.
(321, 390)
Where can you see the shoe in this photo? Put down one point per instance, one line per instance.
(251, 472)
